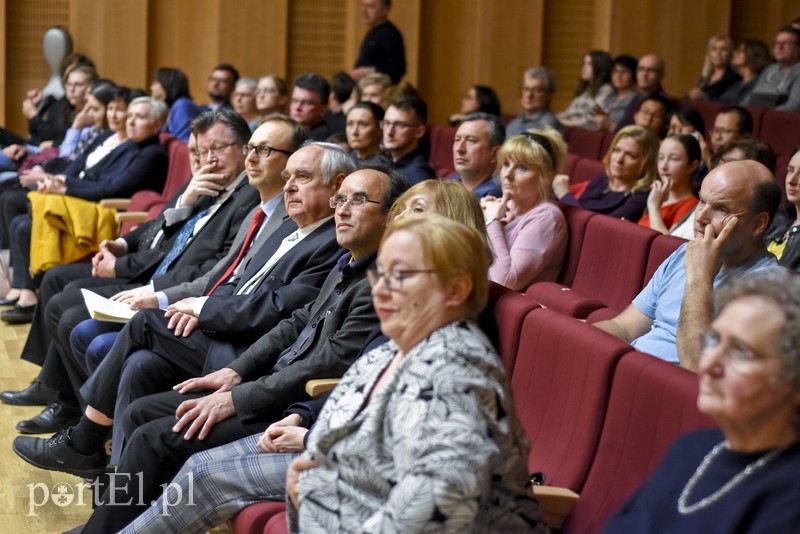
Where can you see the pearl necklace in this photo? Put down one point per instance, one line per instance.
(724, 490)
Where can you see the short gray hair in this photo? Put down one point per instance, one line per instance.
(545, 74)
(252, 83)
(335, 161)
(158, 109)
(497, 133)
(781, 286)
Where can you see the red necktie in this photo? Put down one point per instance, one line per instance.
(258, 218)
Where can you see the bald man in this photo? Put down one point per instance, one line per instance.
(670, 316)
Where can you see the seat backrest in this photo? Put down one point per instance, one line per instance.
(660, 249)
(509, 309)
(585, 170)
(652, 402)
(253, 519)
(577, 219)
(441, 158)
(586, 143)
(781, 129)
(569, 164)
(708, 109)
(757, 113)
(180, 170)
(561, 382)
(613, 260)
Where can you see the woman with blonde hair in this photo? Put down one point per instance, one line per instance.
(527, 232)
(717, 75)
(622, 190)
(450, 199)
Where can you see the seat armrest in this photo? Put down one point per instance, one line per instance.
(131, 216)
(555, 503)
(318, 386)
(115, 203)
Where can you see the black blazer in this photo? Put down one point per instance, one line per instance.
(199, 255)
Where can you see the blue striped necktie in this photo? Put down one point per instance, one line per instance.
(177, 247)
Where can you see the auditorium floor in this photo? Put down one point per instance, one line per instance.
(33, 500)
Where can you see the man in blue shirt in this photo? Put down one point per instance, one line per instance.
(477, 140)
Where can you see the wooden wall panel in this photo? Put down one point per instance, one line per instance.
(760, 19)
(25, 67)
(566, 41)
(316, 37)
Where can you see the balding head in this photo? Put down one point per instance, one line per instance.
(650, 73)
(742, 189)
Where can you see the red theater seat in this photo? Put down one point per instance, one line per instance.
(561, 382)
(577, 219)
(652, 402)
(442, 149)
(585, 170)
(586, 143)
(254, 518)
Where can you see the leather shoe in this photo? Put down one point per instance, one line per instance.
(8, 302)
(18, 314)
(56, 454)
(55, 417)
(34, 395)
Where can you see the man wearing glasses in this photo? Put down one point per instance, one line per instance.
(221, 84)
(403, 126)
(649, 76)
(309, 104)
(186, 240)
(778, 85)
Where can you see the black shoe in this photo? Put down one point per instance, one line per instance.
(56, 454)
(57, 416)
(18, 314)
(8, 302)
(34, 395)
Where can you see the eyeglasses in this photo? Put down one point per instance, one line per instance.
(216, 151)
(356, 200)
(388, 125)
(263, 151)
(393, 279)
(736, 354)
(724, 131)
(239, 94)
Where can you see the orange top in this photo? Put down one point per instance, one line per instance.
(672, 213)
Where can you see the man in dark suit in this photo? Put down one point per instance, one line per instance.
(221, 84)
(320, 339)
(185, 241)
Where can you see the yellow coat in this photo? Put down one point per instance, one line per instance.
(66, 229)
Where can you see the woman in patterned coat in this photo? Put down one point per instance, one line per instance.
(421, 434)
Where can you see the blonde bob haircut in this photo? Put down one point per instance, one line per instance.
(648, 144)
(452, 249)
(452, 200)
(543, 150)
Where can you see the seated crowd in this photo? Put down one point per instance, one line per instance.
(314, 240)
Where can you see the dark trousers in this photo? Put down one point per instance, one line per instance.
(156, 452)
(13, 202)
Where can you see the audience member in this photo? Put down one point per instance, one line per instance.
(447, 198)
(187, 239)
(631, 166)
(479, 98)
(527, 232)
(321, 339)
(373, 88)
(475, 146)
(364, 132)
(340, 101)
(220, 87)
(741, 476)
(649, 76)
(717, 75)
(434, 342)
(272, 94)
(171, 86)
(652, 114)
(309, 104)
(671, 197)
(783, 237)
(750, 58)
(610, 111)
(731, 124)
(114, 166)
(243, 101)
(538, 86)
(382, 49)
(686, 120)
(594, 87)
(778, 85)
(203, 334)
(737, 203)
(403, 126)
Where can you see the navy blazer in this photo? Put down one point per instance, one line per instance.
(293, 281)
(129, 168)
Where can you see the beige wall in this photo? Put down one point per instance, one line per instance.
(450, 44)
